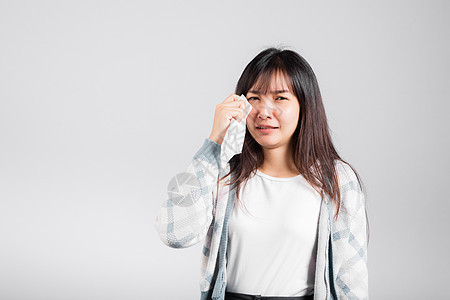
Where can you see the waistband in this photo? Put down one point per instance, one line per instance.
(237, 296)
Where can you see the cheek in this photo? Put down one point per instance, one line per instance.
(288, 115)
(251, 117)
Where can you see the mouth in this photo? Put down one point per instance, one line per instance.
(266, 129)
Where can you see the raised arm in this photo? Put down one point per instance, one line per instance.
(186, 215)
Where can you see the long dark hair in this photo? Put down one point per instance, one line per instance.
(311, 146)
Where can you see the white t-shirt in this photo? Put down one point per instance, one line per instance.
(272, 252)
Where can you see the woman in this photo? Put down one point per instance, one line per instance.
(299, 230)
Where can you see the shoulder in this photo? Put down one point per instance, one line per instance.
(345, 173)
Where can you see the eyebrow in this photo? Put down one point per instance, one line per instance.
(274, 92)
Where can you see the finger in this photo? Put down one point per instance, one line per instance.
(233, 112)
(231, 98)
(236, 104)
(236, 113)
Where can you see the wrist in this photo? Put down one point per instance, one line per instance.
(215, 139)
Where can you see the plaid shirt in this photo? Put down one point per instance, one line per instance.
(198, 209)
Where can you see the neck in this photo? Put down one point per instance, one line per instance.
(278, 162)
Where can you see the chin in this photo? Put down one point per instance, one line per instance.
(268, 143)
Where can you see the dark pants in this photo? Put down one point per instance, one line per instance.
(237, 296)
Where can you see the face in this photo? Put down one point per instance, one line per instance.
(278, 108)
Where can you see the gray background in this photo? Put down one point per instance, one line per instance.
(102, 102)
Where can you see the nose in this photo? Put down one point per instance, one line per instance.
(264, 111)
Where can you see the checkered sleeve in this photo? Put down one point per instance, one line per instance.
(187, 212)
(350, 240)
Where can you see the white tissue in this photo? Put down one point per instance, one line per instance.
(234, 137)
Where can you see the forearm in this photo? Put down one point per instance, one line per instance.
(186, 214)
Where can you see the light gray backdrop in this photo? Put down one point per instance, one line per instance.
(102, 102)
